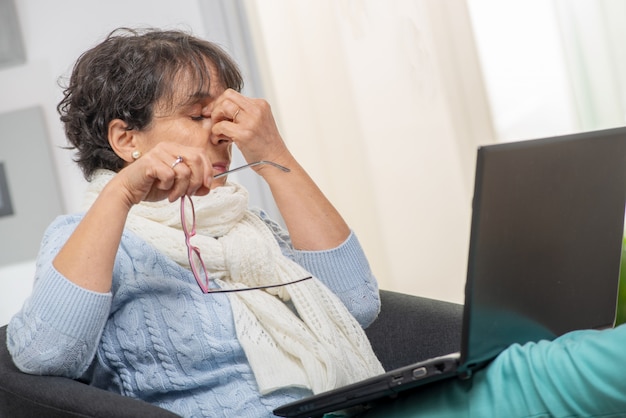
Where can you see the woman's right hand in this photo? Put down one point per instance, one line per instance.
(154, 176)
(151, 177)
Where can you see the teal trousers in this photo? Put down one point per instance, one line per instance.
(580, 374)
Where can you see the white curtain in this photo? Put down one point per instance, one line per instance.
(384, 105)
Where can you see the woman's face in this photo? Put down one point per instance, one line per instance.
(187, 121)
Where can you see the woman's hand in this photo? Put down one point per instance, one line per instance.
(249, 123)
(312, 221)
(159, 174)
(153, 176)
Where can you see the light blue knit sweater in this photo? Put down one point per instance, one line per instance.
(156, 336)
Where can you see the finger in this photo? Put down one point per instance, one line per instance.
(179, 159)
(199, 172)
(163, 181)
(226, 130)
(228, 106)
(171, 177)
(227, 111)
(178, 189)
(234, 118)
(182, 174)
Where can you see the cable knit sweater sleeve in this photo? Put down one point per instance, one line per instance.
(58, 329)
(344, 269)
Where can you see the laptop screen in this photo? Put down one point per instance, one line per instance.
(547, 227)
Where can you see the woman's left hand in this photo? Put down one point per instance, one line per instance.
(313, 223)
(249, 123)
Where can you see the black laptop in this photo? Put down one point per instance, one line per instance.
(544, 258)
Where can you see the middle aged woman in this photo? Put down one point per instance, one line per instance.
(121, 299)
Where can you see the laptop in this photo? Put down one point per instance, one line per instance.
(544, 258)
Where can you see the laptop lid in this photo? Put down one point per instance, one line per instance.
(545, 246)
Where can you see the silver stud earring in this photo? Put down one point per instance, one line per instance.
(136, 154)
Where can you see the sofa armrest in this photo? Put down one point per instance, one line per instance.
(23, 395)
(412, 328)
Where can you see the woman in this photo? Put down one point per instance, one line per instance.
(121, 298)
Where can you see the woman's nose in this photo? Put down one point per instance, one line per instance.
(224, 140)
(220, 140)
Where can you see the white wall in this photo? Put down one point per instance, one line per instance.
(15, 285)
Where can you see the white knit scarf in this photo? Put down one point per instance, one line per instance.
(320, 348)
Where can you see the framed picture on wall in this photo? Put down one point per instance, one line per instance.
(6, 208)
(11, 44)
(29, 190)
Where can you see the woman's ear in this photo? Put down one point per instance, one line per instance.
(123, 141)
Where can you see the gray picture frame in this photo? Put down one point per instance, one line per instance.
(6, 207)
(31, 179)
(11, 44)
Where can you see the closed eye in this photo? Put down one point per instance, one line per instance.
(198, 118)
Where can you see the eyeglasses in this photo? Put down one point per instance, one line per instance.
(195, 259)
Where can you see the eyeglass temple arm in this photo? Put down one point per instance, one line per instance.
(280, 167)
(244, 289)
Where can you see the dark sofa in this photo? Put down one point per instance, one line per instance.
(408, 329)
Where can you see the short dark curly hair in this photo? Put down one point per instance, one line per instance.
(124, 77)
